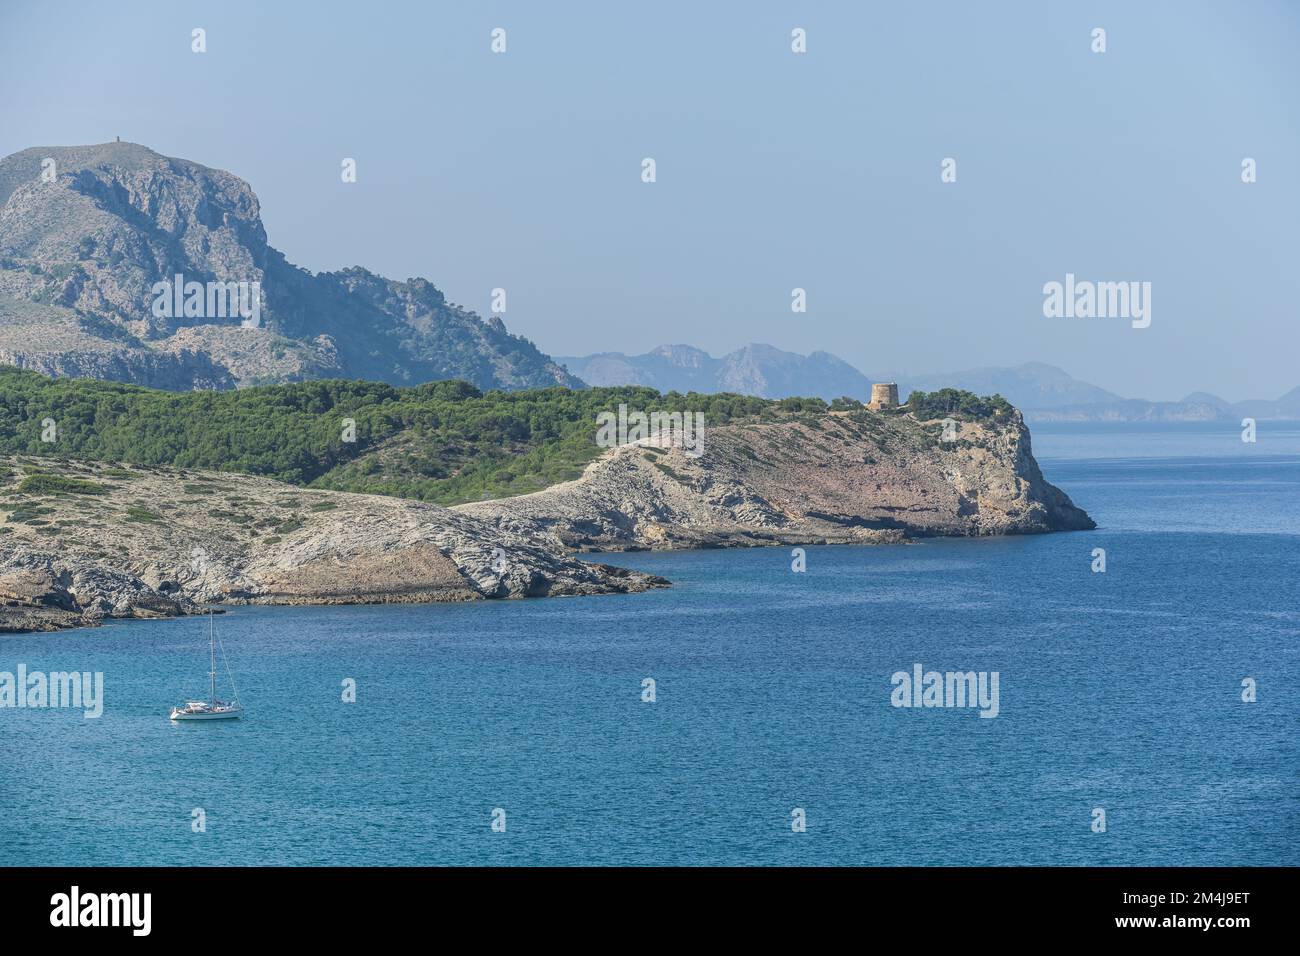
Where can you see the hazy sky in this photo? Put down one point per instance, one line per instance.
(775, 170)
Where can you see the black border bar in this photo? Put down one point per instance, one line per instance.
(203, 905)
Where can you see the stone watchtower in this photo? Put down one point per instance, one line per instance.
(883, 395)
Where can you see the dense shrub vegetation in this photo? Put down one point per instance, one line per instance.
(43, 484)
(956, 403)
(445, 442)
(442, 441)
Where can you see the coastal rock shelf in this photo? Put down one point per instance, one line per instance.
(87, 541)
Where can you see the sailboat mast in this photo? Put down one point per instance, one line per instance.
(212, 647)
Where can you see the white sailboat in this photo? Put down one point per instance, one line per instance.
(212, 709)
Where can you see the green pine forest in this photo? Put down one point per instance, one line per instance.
(444, 442)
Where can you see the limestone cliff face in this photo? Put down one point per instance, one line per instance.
(857, 478)
(83, 241)
(159, 543)
(56, 341)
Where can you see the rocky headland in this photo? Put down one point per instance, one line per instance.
(82, 541)
(844, 478)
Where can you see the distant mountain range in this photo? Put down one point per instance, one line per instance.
(753, 370)
(1043, 392)
(1046, 393)
(1033, 385)
(87, 233)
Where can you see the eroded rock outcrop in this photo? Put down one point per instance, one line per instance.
(152, 543)
(859, 477)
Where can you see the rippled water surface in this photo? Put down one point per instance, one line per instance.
(1119, 691)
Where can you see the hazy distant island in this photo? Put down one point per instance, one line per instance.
(1044, 393)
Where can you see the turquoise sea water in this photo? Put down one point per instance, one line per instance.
(1119, 691)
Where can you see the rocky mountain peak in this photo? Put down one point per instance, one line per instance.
(99, 234)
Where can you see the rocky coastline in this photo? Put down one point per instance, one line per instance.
(85, 541)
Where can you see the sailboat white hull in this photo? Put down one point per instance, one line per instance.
(208, 715)
(212, 708)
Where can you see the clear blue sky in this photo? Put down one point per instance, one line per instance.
(775, 170)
